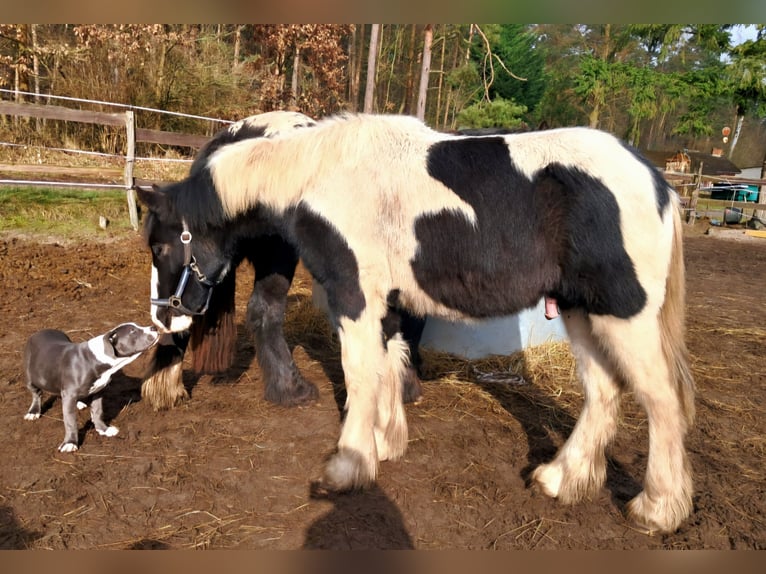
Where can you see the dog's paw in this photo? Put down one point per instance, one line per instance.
(68, 447)
(81, 405)
(31, 416)
(110, 431)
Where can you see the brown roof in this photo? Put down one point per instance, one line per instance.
(711, 164)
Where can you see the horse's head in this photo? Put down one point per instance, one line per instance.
(187, 263)
(184, 227)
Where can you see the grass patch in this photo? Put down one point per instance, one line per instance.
(56, 211)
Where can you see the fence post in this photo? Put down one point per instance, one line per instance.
(691, 217)
(130, 159)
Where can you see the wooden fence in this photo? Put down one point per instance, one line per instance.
(688, 184)
(694, 197)
(123, 119)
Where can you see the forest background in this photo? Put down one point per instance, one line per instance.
(658, 86)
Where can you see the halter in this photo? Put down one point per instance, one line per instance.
(190, 266)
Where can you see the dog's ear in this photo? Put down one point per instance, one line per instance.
(110, 340)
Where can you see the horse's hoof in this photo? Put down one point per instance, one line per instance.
(298, 394)
(347, 470)
(547, 478)
(660, 515)
(412, 390)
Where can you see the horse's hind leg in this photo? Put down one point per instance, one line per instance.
(636, 345)
(164, 387)
(579, 468)
(275, 262)
(391, 421)
(397, 320)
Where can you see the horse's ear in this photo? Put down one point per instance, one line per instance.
(155, 199)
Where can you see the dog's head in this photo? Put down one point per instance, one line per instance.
(128, 339)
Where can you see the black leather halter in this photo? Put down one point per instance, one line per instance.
(190, 269)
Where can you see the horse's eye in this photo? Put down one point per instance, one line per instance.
(158, 249)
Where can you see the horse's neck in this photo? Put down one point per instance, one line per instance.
(256, 223)
(257, 173)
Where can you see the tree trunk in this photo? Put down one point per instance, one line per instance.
(159, 85)
(593, 117)
(359, 59)
(35, 61)
(396, 43)
(410, 87)
(372, 58)
(735, 137)
(441, 75)
(447, 123)
(470, 41)
(35, 68)
(425, 71)
(237, 45)
(353, 87)
(294, 79)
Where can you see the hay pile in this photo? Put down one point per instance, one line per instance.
(547, 370)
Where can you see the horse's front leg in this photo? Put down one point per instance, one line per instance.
(275, 262)
(375, 426)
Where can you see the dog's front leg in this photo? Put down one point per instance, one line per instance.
(97, 416)
(69, 408)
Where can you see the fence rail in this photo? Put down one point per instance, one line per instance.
(124, 120)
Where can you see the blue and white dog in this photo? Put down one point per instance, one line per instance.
(75, 371)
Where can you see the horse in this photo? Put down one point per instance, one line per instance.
(384, 210)
(211, 336)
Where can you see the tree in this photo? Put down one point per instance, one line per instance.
(372, 58)
(747, 73)
(496, 113)
(425, 71)
(520, 71)
(704, 91)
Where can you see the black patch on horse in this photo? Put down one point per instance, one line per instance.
(558, 234)
(330, 261)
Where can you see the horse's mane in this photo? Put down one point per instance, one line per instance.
(268, 124)
(195, 198)
(276, 171)
(193, 201)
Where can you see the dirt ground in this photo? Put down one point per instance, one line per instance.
(228, 470)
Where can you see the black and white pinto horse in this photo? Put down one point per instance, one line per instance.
(211, 335)
(385, 210)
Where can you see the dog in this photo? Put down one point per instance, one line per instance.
(75, 371)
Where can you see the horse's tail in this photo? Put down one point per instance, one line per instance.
(214, 334)
(672, 323)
